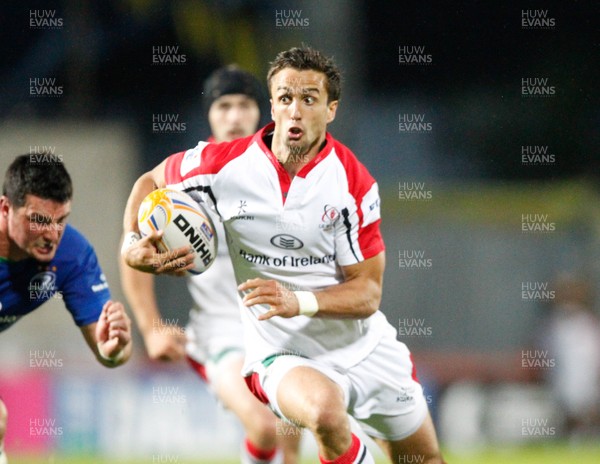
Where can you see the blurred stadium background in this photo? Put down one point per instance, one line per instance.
(480, 124)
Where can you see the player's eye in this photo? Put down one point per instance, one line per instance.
(39, 219)
(284, 99)
(309, 100)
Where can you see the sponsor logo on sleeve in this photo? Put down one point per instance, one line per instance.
(371, 206)
(103, 285)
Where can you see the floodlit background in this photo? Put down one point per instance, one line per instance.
(480, 124)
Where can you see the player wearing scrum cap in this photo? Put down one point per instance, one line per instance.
(302, 218)
(213, 342)
(41, 257)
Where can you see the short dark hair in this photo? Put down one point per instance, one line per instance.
(307, 58)
(42, 174)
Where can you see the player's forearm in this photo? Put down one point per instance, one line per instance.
(145, 184)
(359, 295)
(142, 187)
(119, 352)
(122, 358)
(141, 296)
(356, 299)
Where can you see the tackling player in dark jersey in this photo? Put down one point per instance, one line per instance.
(41, 256)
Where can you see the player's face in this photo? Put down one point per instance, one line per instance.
(233, 116)
(37, 227)
(300, 110)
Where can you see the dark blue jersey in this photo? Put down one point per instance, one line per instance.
(74, 275)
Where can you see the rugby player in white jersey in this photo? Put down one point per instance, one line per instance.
(302, 220)
(213, 340)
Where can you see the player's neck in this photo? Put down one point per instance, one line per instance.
(294, 160)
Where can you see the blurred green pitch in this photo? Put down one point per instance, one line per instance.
(546, 453)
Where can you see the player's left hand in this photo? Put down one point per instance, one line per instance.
(282, 302)
(113, 330)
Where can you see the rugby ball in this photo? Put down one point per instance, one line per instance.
(184, 222)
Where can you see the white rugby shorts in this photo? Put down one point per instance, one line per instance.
(381, 392)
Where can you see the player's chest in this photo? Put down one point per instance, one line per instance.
(271, 206)
(23, 290)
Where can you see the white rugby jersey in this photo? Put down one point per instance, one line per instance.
(296, 231)
(216, 306)
(215, 323)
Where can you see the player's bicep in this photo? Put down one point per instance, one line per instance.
(371, 269)
(86, 289)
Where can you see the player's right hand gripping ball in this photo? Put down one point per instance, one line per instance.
(184, 222)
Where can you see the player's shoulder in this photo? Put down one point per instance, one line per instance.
(357, 173)
(74, 236)
(73, 243)
(226, 151)
(210, 157)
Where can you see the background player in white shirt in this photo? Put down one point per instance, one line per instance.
(302, 221)
(213, 341)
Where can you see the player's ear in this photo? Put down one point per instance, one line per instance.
(331, 110)
(4, 205)
(272, 113)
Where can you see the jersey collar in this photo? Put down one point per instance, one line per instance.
(266, 131)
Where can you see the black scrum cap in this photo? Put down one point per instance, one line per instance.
(230, 80)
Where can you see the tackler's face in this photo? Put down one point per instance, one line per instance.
(300, 109)
(36, 228)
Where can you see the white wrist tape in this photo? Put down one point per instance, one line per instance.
(129, 239)
(307, 301)
(113, 359)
